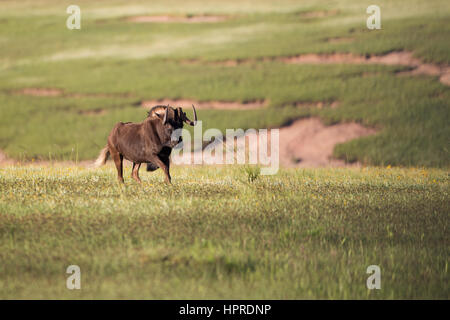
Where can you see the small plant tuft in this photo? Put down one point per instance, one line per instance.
(252, 173)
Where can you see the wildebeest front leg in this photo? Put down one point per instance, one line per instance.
(135, 172)
(164, 164)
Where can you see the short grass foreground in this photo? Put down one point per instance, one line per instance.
(224, 232)
(100, 74)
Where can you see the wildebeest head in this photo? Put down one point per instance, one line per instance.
(172, 119)
(175, 117)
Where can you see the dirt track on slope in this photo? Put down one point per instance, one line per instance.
(56, 92)
(393, 58)
(400, 58)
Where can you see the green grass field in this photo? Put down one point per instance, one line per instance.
(118, 63)
(215, 233)
(300, 234)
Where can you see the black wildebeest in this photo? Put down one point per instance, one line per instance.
(148, 142)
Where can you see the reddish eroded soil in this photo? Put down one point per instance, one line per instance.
(180, 19)
(41, 92)
(219, 105)
(445, 76)
(309, 143)
(56, 92)
(401, 58)
(393, 58)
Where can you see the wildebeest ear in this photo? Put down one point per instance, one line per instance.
(159, 115)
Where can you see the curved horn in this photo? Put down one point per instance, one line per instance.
(195, 116)
(165, 115)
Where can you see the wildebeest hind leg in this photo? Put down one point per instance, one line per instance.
(118, 160)
(135, 172)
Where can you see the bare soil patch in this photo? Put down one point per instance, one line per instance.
(41, 92)
(179, 19)
(55, 92)
(393, 58)
(401, 58)
(308, 143)
(425, 69)
(225, 63)
(218, 105)
(445, 76)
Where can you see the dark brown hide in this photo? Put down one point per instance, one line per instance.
(147, 142)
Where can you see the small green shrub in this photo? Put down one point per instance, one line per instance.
(252, 173)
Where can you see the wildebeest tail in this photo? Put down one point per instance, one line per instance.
(102, 157)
